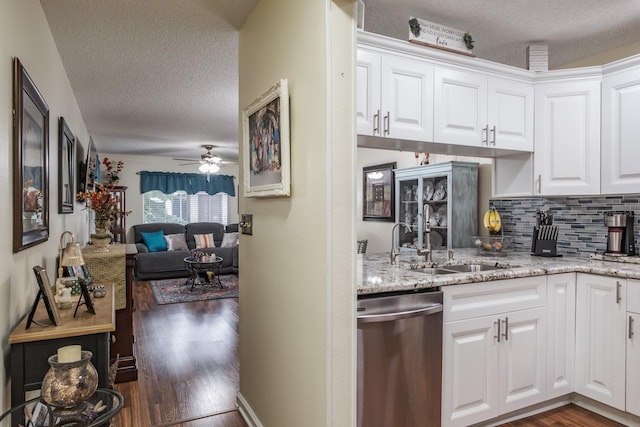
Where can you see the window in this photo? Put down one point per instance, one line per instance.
(181, 208)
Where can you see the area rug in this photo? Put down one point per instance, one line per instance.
(172, 291)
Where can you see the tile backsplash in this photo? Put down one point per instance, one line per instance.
(580, 220)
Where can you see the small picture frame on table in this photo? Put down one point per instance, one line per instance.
(82, 273)
(45, 292)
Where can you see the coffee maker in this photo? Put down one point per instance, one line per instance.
(620, 237)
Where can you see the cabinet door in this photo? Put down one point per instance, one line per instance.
(510, 114)
(407, 99)
(620, 130)
(633, 346)
(408, 211)
(561, 336)
(633, 363)
(368, 93)
(461, 113)
(470, 371)
(567, 138)
(600, 338)
(523, 359)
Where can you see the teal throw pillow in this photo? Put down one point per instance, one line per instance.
(154, 240)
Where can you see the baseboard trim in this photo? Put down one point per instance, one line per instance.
(247, 413)
(526, 412)
(606, 411)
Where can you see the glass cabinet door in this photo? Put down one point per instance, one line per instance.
(434, 207)
(408, 213)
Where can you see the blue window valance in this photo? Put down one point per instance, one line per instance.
(192, 183)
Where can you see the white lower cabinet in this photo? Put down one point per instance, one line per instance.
(496, 363)
(561, 335)
(633, 347)
(600, 338)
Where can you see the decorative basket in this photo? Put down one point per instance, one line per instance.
(492, 243)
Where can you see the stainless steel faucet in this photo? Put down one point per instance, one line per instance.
(426, 226)
(394, 251)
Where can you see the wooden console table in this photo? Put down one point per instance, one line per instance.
(30, 348)
(117, 266)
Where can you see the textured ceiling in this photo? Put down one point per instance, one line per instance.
(160, 77)
(502, 29)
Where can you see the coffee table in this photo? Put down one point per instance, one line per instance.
(199, 269)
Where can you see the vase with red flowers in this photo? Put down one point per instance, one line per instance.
(105, 206)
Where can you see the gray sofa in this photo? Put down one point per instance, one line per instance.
(170, 264)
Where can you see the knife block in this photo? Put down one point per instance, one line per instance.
(544, 241)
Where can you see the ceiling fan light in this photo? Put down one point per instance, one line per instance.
(208, 168)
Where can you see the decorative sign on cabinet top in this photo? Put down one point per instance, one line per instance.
(436, 35)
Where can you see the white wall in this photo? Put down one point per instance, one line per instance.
(130, 178)
(297, 298)
(24, 33)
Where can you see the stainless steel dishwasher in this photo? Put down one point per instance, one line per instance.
(400, 360)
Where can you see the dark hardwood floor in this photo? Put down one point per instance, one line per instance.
(565, 416)
(189, 375)
(188, 364)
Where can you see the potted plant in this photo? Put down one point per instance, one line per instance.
(113, 170)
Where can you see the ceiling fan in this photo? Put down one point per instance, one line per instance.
(209, 162)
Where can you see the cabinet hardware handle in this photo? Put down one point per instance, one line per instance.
(485, 135)
(493, 140)
(630, 327)
(386, 123)
(376, 123)
(506, 329)
(618, 296)
(497, 336)
(539, 184)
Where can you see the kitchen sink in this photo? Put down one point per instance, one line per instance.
(459, 268)
(435, 271)
(471, 268)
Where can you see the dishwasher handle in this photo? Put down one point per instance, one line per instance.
(397, 315)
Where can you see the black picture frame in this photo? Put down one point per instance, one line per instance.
(85, 298)
(378, 192)
(85, 279)
(81, 272)
(45, 292)
(66, 167)
(30, 162)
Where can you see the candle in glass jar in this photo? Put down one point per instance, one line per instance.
(69, 353)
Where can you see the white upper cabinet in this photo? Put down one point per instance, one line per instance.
(368, 92)
(620, 132)
(567, 137)
(461, 107)
(510, 111)
(394, 97)
(476, 110)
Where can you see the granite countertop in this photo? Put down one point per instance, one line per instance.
(375, 274)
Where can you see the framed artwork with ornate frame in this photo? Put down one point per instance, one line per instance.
(30, 162)
(265, 143)
(66, 167)
(378, 202)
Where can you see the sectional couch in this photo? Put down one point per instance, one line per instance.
(166, 264)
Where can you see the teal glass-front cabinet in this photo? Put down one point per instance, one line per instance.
(443, 194)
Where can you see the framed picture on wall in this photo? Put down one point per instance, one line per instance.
(66, 166)
(378, 198)
(30, 162)
(265, 143)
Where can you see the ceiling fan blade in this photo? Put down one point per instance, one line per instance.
(186, 160)
(185, 164)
